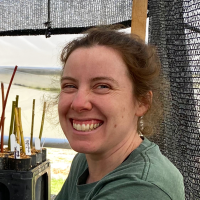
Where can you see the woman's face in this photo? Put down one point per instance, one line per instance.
(97, 110)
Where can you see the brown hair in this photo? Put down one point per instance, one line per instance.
(142, 63)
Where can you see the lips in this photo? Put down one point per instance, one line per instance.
(86, 125)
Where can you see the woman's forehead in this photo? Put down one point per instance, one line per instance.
(99, 58)
(96, 63)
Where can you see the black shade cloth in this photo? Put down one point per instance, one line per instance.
(37, 17)
(174, 29)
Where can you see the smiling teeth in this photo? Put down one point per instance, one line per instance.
(84, 127)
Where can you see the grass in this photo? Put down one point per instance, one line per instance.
(56, 185)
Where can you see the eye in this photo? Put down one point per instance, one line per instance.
(68, 88)
(102, 88)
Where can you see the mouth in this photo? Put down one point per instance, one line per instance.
(86, 125)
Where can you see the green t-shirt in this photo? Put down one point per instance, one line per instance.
(145, 175)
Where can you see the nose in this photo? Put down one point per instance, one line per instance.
(81, 101)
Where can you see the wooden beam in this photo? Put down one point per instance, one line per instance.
(139, 16)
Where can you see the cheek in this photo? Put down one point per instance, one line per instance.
(63, 105)
(127, 112)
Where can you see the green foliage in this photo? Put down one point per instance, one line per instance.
(56, 185)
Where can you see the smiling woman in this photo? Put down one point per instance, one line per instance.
(109, 83)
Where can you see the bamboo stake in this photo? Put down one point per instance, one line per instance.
(21, 131)
(42, 123)
(4, 107)
(11, 122)
(17, 126)
(2, 128)
(16, 102)
(32, 124)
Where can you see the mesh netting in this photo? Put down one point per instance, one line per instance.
(24, 17)
(174, 29)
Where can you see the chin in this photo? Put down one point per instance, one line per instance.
(82, 147)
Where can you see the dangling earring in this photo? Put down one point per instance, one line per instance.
(140, 124)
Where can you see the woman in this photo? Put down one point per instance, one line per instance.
(109, 93)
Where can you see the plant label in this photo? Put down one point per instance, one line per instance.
(12, 142)
(17, 151)
(43, 142)
(27, 147)
(37, 144)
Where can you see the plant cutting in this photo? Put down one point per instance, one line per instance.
(11, 122)
(32, 123)
(3, 155)
(4, 107)
(38, 154)
(42, 122)
(21, 131)
(19, 161)
(3, 117)
(44, 151)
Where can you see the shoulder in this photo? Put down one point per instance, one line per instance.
(146, 174)
(161, 172)
(140, 190)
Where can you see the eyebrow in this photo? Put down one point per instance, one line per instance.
(100, 78)
(67, 78)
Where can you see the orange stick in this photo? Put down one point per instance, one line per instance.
(2, 128)
(4, 106)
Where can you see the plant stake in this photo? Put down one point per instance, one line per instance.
(42, 123)
(11, 122)
(16, 105)
(17, 126)
(4, 106)
(21, 131)
(32, 124)
(2, 128)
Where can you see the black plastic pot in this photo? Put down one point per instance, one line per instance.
(22, 164)
(39, 157)
(44, 154)
(4, 160)
(33, 160)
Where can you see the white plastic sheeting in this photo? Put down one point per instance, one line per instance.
(32, 51)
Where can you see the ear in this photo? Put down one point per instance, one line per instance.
(144, 104)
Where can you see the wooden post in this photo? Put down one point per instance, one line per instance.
(139, 16)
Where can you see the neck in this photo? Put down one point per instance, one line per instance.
(100, 165)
